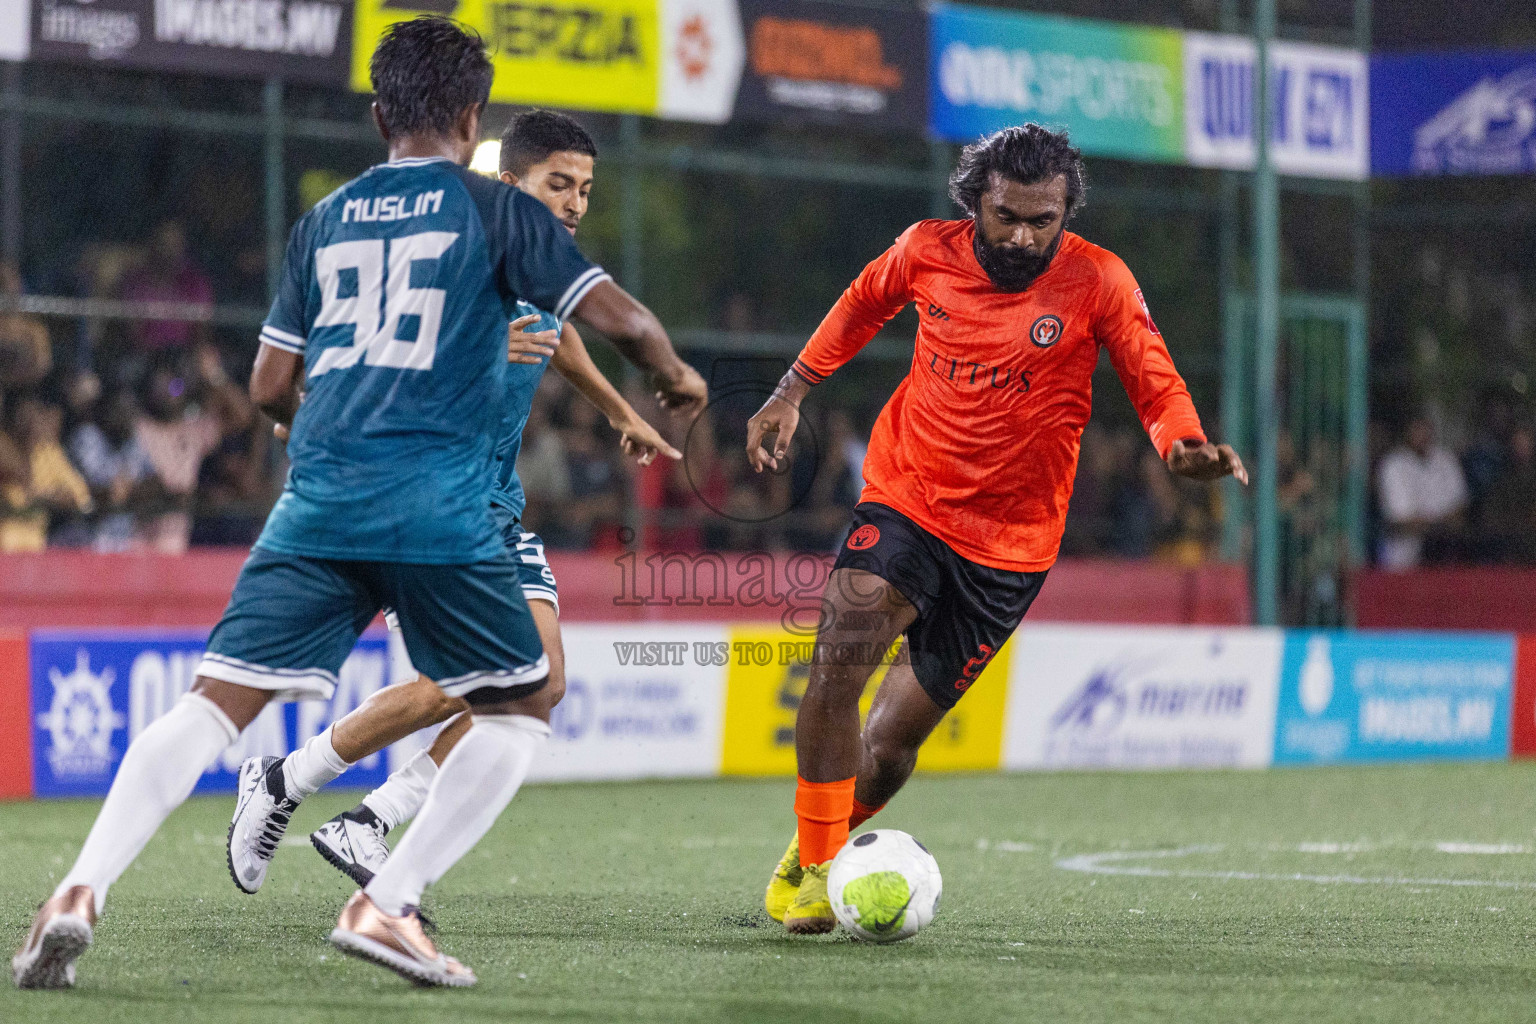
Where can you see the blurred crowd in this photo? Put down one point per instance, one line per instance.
(1471, 499)
(133, 434)
(136, 434)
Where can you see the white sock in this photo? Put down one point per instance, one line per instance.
(474, 785)
(312, 766)
(158, 772)
(400, 798)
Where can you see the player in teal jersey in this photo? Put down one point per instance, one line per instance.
(392, 316)
(552, 158)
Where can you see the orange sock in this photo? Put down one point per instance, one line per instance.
(862, 812)
(823, 809)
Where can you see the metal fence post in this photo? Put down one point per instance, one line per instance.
(273, 182)
(1266, 265)
(10, 169)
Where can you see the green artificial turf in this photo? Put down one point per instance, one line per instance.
(642, 902)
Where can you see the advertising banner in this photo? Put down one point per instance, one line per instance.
(641, 701)
(832, 63)
(15, 29)
(94, 691)
(15, 724)
(1353, 697)
(1522, 732)
(1116, 697)
(576, 54)
(767, 676)
(303, 40)
(1453, 113)
(1118, 88)
(1319, 124)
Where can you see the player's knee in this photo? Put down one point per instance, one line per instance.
(554, 686)
(892, 753)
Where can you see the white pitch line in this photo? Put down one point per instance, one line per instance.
(1114, 863)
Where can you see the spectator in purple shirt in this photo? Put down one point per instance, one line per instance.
(168, 274)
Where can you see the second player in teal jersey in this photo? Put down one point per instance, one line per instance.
(550, 157)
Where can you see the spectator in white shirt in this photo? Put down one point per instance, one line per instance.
(1423, 494)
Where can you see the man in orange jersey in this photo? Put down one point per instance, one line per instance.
(969, 470)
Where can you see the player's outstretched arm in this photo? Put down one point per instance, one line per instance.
(1201, 460)
(640, 338)
(638, 438)
(779, 416)
(275, 382)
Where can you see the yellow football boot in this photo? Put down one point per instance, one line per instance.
(810, 912)
(785, 881)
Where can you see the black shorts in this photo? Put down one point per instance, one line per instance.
(965, 611)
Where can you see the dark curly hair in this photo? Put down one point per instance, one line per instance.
(426, 71)
(1027, 154)
(535, 134)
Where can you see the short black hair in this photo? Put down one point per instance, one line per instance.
(426, 71)
(533, 135)
(1028, 154)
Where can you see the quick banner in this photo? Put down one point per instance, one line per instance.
(1119, 89)
(1453, 113)
(833, 63)
(1318, 120)
(302, 40)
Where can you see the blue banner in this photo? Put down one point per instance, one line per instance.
(1453, 113)
(1363, 697)
(93, 691)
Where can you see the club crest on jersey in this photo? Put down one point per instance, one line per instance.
(1146, 311)
(1046, 331)
(866, 536)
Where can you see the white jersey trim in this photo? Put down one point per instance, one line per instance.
(578, 291)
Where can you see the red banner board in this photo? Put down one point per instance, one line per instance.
(1522, 739)
(15, 719)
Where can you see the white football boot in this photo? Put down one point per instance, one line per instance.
(353, 843)
(261, 817)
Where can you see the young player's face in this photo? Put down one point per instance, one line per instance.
(562, 181)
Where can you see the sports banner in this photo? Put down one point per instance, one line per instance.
(641, 701)
(576, 54)
(834, 63)
(1453, 113)
(1120, 697)
(303, 40)
(93, 691)
(15, 29)
(1118, 88)
(768, 669)
(1352, 697)
(1319, 119)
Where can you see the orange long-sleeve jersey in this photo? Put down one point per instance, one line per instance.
(979, 443)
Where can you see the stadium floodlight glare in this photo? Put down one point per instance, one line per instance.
(487, 158)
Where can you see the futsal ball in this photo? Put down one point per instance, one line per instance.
(884, 886)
